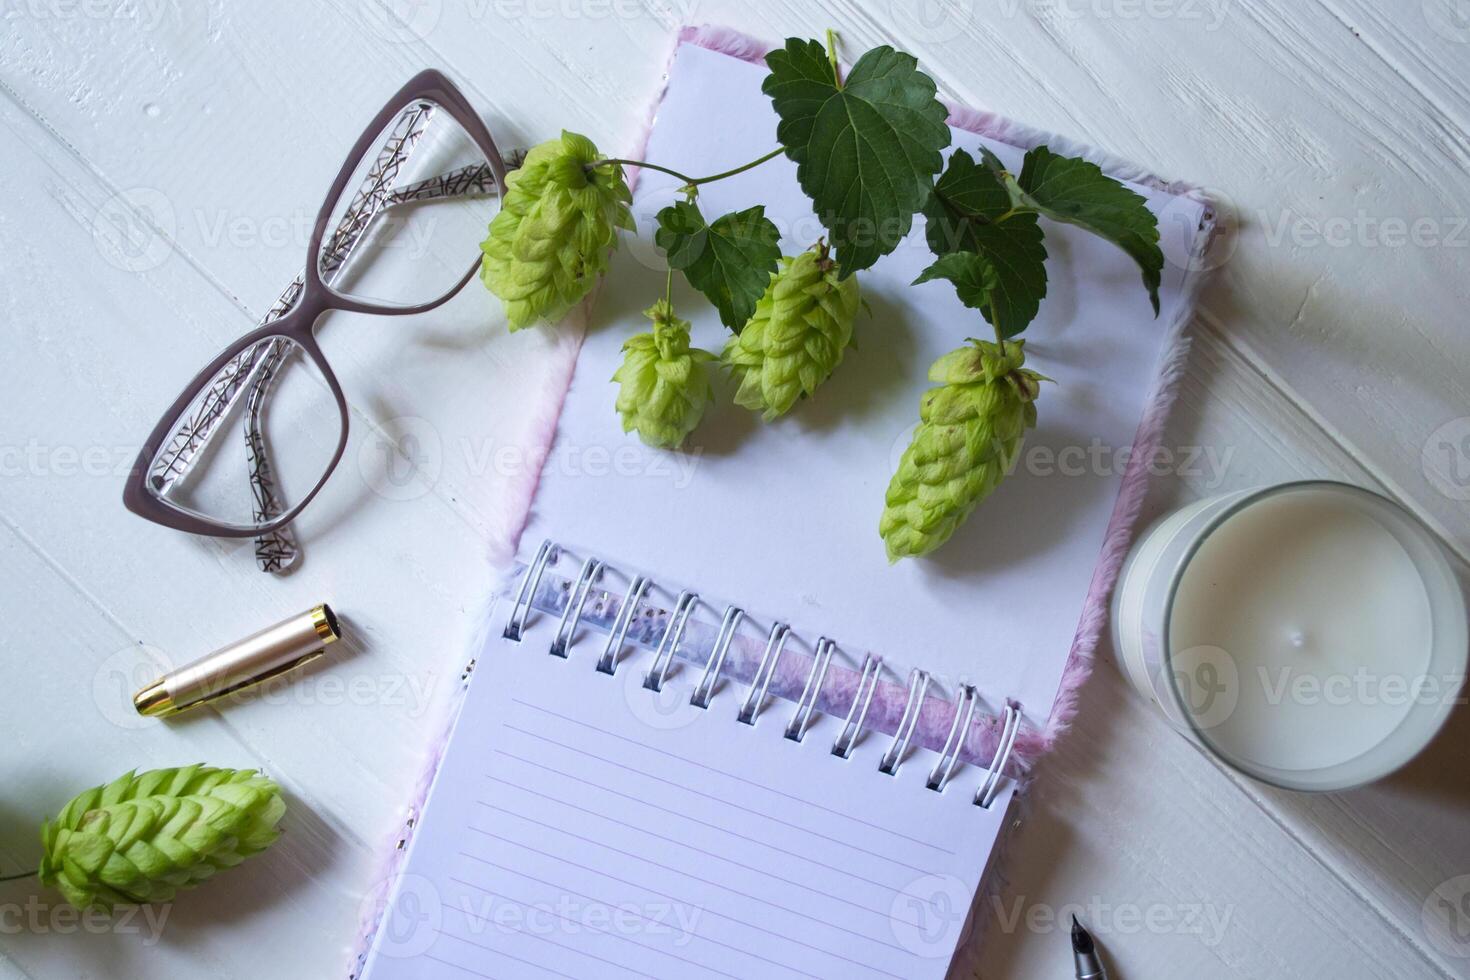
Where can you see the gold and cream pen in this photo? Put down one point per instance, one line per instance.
(270, 653)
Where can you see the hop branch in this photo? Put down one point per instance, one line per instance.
(867, 147)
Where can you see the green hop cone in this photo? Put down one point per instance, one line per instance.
(664, 385)
(969, 434)
(145, 835)
(800, 330)
(555, 231)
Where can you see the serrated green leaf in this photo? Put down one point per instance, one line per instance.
(970, 211)
(730, 261)
(1074, 191)
(974, 279)
(866, 149)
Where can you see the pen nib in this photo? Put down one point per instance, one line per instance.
(1084, 953)
(1081, 938)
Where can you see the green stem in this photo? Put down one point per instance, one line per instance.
(636, 163)
(742, 168)
(993, 320)
(28, 874)
(669, 288)
(832, 57)
(688, 180)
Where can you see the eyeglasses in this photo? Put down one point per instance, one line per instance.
(395, 247)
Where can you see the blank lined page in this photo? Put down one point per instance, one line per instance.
(581, 826)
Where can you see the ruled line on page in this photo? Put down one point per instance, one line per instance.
(635, 914)
(601, 932)
(673, 898)
(471, 970)
(687, 874)
(681, 815)
(521, 959)
(730, 775)
(717, 799)
(764, 872)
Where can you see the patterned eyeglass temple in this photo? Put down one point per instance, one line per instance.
(251, 373)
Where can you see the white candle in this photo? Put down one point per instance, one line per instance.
(1312, 635)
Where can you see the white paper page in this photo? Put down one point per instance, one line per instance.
(581, 826)
(783, 517)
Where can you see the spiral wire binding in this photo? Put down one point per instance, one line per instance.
(755, 695)
(1009, 730)
(899, 747)
(950, 757)
(516, 624)
(608, 662)
(821, 660)
(678, 619)
(705, 689)
(566, 627)
(843, 743)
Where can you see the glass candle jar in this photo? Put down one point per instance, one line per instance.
(1312, 635)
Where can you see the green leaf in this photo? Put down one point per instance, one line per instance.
(730, 261)
(971, 211)
(974, 278)
(1078, 193)
(866, 150)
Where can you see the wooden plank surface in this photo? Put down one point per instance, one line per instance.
(201, 136)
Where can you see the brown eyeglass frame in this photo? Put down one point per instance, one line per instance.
(315, 297)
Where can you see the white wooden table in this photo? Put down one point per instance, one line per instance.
(200, 137)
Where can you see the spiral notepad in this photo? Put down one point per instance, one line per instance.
(629, 792)
(711, 732)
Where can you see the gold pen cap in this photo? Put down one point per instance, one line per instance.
(270, 653)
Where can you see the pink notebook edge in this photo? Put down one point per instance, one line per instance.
(503, 541)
